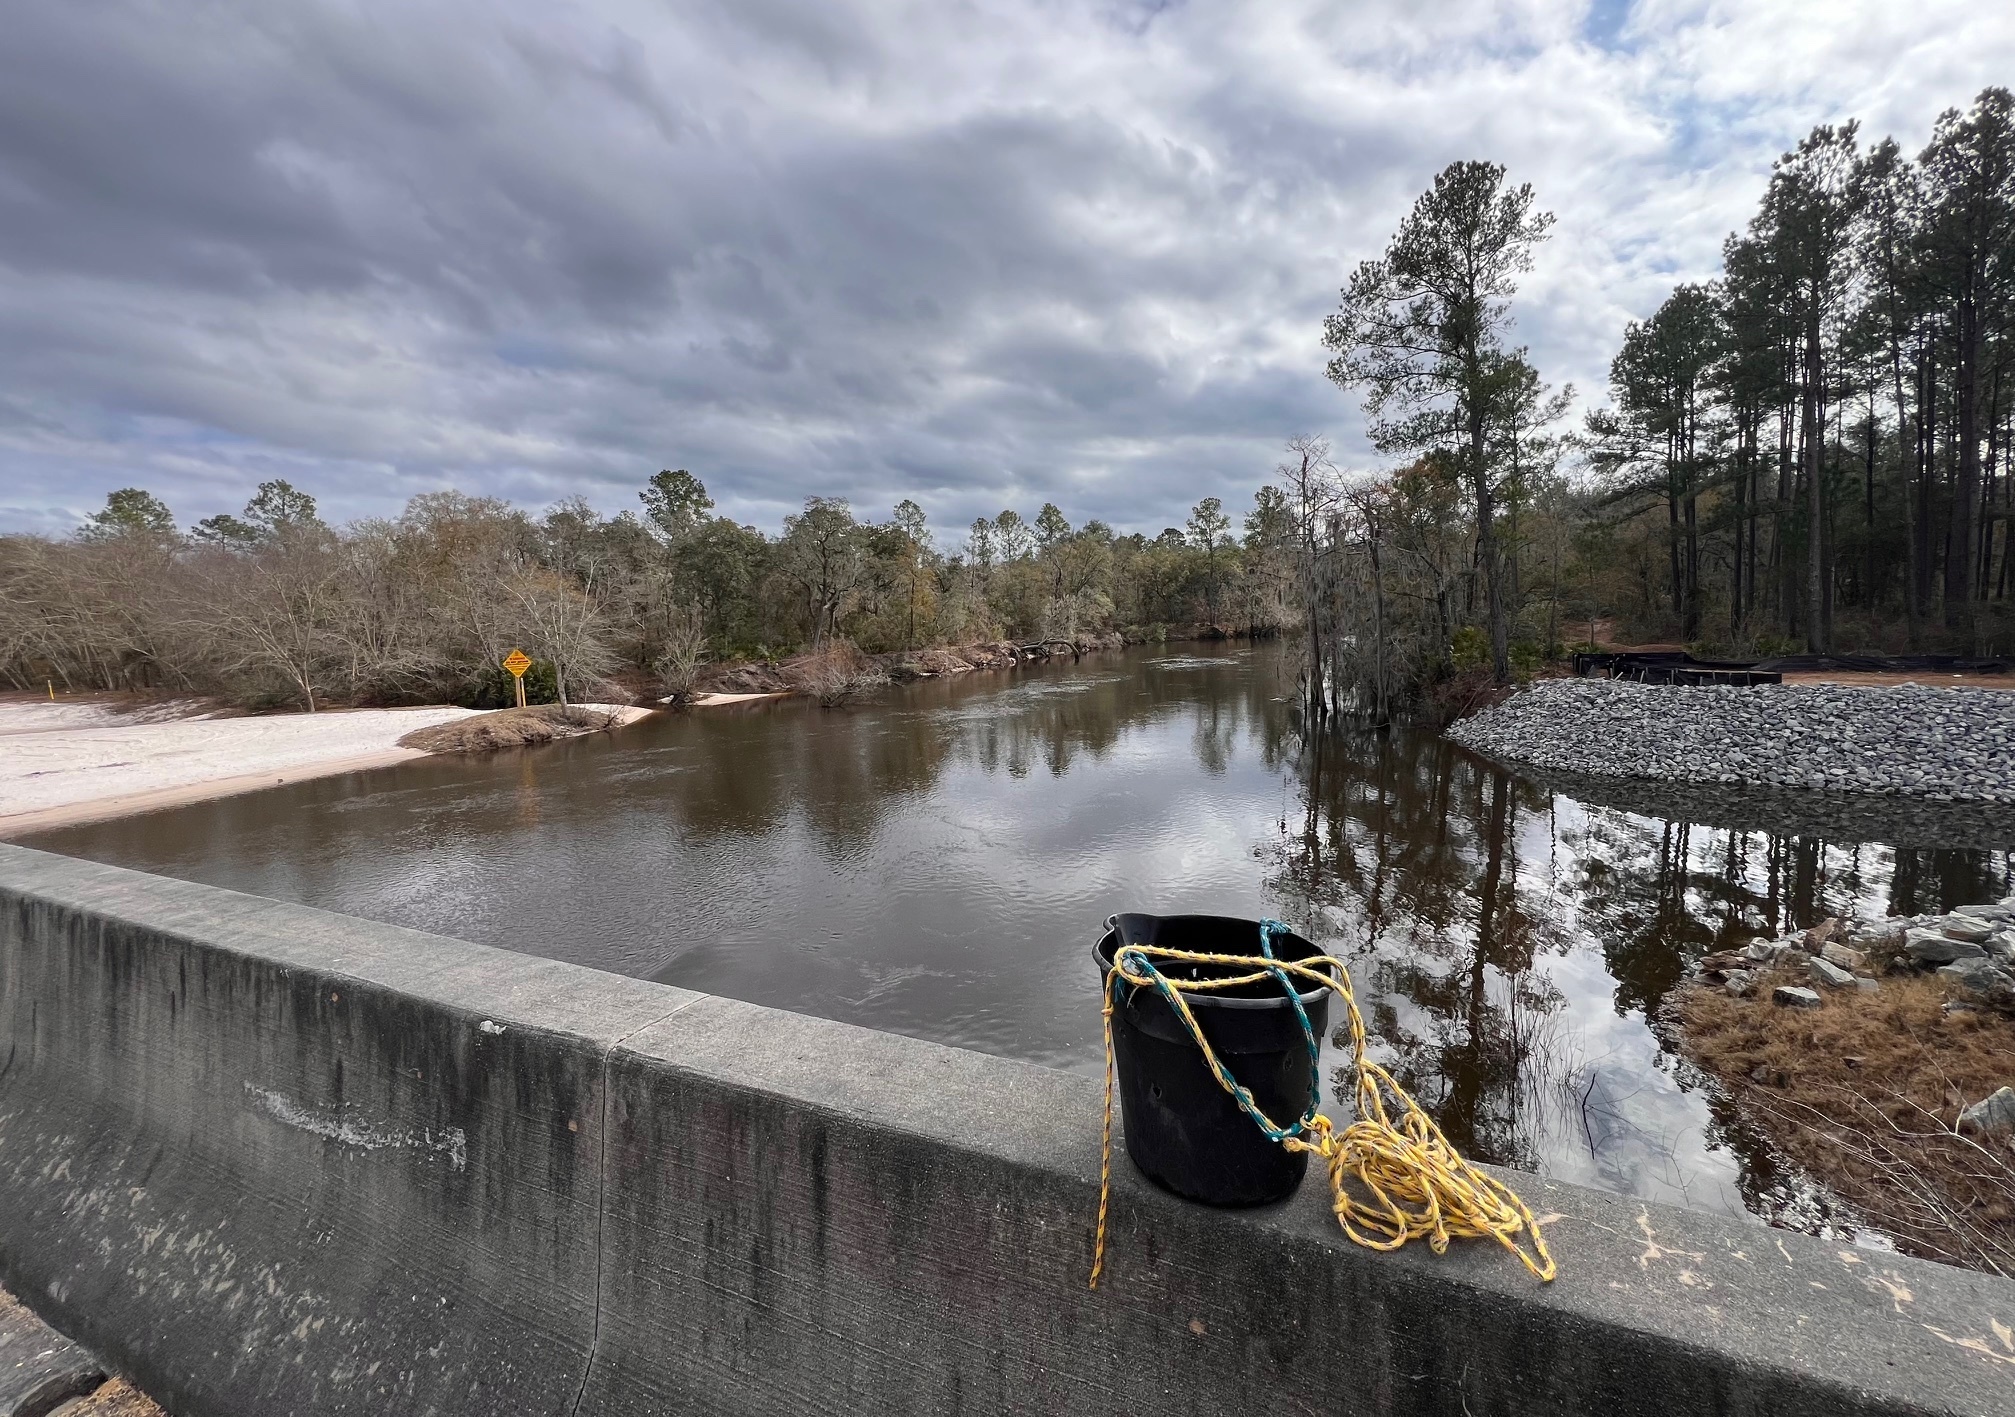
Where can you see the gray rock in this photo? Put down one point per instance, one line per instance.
(1831, 975)
(1943, 744)
(1992, 1116)
(1842, 956)
(2001, 946)
(1999, 914)
(1765, 951)
(1931, 947)
(1868, 986)
(1788, 996)
(1961, 927)
(1740, 982)
(1982, 977)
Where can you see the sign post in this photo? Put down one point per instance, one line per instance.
(517, 662)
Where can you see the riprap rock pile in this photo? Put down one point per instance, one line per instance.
(1951, 745)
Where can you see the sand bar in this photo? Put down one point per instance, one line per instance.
(718, 700)
(73, 762)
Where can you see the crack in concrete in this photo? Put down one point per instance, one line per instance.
(601, 1200)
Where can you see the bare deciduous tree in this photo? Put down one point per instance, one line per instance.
(560, 622)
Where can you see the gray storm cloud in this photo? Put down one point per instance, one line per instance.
(980, 256)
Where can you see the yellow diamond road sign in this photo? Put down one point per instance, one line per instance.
(517, 662)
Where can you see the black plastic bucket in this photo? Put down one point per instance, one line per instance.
(1184, 1131)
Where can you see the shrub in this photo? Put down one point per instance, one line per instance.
(1469, 649)
(494, 689)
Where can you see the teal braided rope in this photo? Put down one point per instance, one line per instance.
(1239, 1092)
(1267, 930)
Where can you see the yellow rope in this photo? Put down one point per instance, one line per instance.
(1420, 1188)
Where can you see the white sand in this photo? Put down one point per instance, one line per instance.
(716, 700)
(38, 716)
(620, 714)
(79, 762)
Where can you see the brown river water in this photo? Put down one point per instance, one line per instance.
(939, 859)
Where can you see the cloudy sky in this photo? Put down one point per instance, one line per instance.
(979, 254)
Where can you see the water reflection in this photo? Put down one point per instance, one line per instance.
(939, 861)
(1513, 946)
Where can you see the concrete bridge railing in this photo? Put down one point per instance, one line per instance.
(272, 1160)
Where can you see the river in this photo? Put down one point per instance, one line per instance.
(938, 860)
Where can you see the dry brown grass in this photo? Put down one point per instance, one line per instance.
(834, 674)
(507, 728)
(1466, 692)
(117, 1398)
(1864, 1094)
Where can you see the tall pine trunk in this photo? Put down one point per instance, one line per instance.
(1486, 540)
(1818, 573)
(1959, 556)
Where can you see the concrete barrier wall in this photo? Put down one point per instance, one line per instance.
(270, 1160)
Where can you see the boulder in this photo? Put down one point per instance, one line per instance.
(1883, 934)
(1961, 927)
(1832, 928)
(1843, 957)
(2001, 946)
(1932, 947)
(1740, 982)
(1832, 976)
(1981, 977)
(1788, 996)
(1992, 1116)
(1995, 914)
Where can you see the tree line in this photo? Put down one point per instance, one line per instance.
(1816, 442)
(1808, 452)
(275, 605)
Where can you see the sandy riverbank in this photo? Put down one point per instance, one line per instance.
(720, 700)
(85, 761)
(72, 762)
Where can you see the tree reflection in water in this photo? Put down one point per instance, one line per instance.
(1511, 945)
(937, 860)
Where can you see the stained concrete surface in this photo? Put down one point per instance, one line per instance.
(267, 1159)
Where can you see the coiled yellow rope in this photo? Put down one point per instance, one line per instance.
(1419, 1187)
